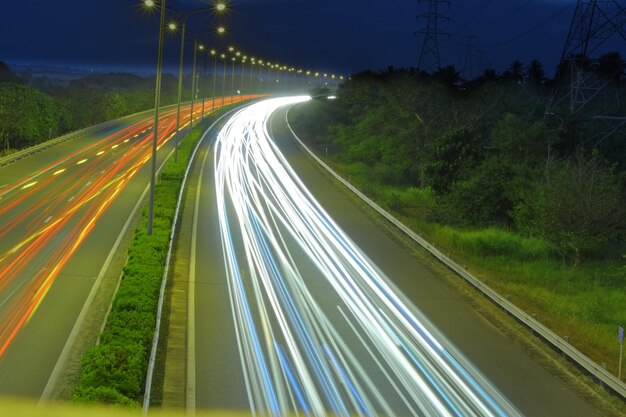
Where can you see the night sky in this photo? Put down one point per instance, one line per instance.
(342, 36)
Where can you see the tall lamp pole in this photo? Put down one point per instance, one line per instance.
(193, 79)
(180, 87)
(157, 100)
(243, 71)
(214, 54)
(219, 7)
(223, 56)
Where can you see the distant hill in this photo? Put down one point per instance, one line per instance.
(6, 75)
(113, 81)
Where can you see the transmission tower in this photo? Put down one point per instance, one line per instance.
(468, 66)
(593, 23)
(429, 60)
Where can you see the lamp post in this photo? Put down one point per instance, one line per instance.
(180, 88)
(193, 79)
(219, 7)
(259, 76)
(214, 55)
(232, 80)
(203, 94)
(157, 99)
(243, 71)
(223, 56)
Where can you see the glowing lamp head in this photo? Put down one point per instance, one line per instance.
(220, 7)
(149, 3)
(213, 51)
(201, 47)
(221, 30)
(231, 48)
(171, 26)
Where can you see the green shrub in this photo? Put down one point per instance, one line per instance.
(103, 395)
(114, 371)
(116, 366)
(494, 242)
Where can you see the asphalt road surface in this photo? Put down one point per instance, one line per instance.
(61, 213)
(303, 303)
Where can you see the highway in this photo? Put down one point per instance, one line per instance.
(62, 212)
(302, 304)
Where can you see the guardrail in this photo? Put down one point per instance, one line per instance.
(9, 159)
(155, 340)
(602, 375)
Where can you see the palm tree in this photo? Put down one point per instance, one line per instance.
(535, 72)
(515, 72)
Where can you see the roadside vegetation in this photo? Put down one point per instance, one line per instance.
(35, 109)
(536, 206)
(114, 371)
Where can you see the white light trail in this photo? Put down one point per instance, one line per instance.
(286, 260)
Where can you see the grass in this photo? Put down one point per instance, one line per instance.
(587, 303)
(114, 371)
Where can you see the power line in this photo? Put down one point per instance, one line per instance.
(531, 30)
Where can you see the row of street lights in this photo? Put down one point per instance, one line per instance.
(218, 7)
(299, 76)
(266, 71)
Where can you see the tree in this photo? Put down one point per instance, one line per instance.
(452, 153)
(27, 115)
(579, 205)
(448, 75)
(535, 72)
(515, 72)
(6, 75)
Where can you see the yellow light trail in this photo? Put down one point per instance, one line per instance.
(59, 171)
(82, 161)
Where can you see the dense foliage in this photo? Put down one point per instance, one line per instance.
(33, 110)
(114, 371)
(481, 153)
(534, 205)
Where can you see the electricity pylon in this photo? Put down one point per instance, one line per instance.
(429, 60)
(593, 23)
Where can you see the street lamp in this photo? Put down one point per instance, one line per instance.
(219, 7)
(232, 81)
(223, 56)
(252, 64)
(157, 99)
(243, 71)
(214, 55)
(196, 47)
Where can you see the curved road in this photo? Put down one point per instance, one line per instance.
(296, 309)
(61, 213)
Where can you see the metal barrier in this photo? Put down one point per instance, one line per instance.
(155, 340)
(602, 375)
(9, 159)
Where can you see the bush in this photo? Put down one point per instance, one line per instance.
(103, 395)
(494, 242)
(114, 371)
